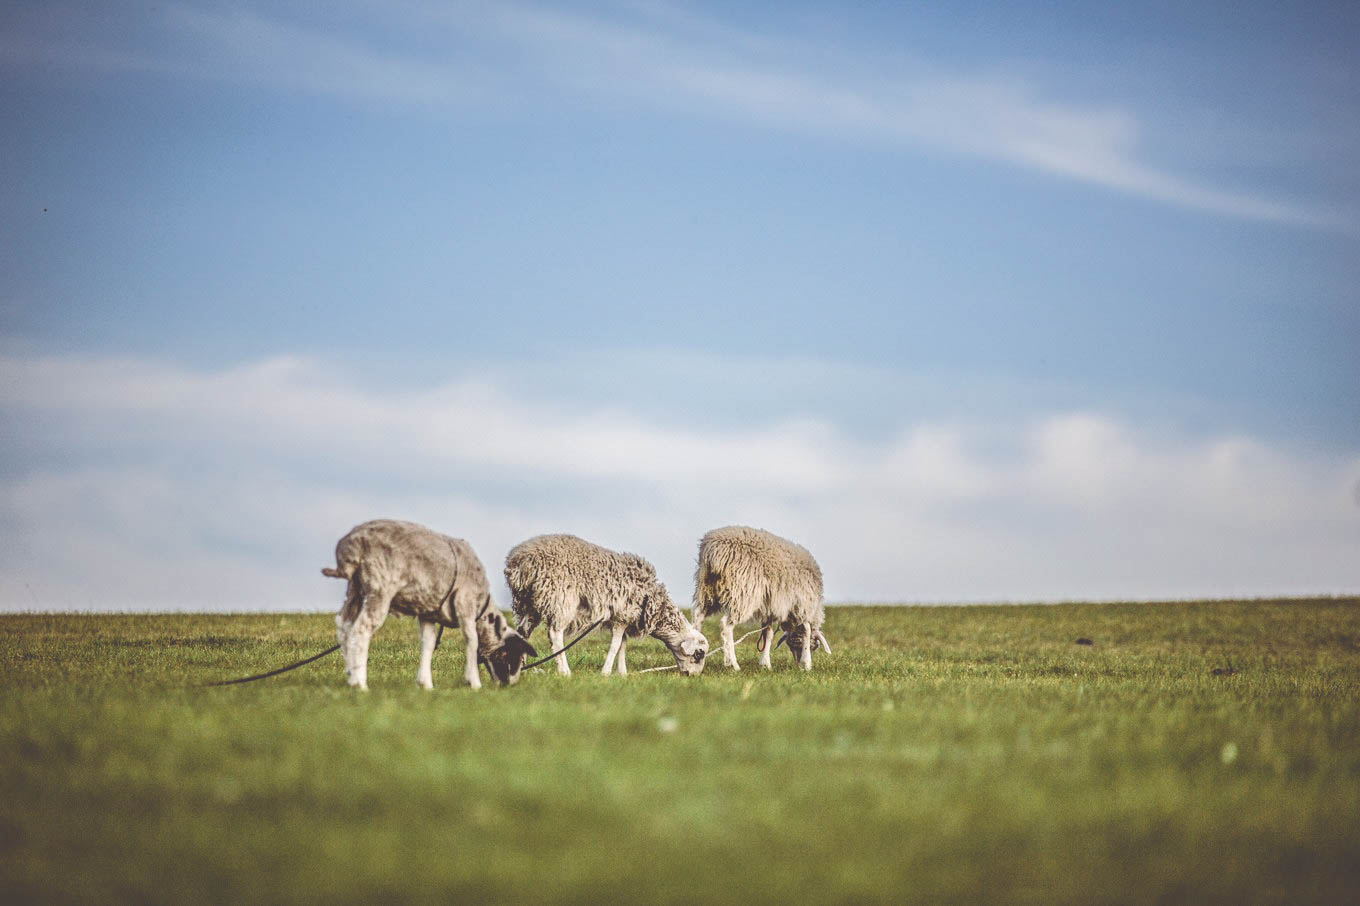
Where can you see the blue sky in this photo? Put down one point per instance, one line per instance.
(998, 302)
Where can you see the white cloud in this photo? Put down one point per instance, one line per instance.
(147, 485)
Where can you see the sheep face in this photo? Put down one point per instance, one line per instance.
(501, 648)
(664, 621)
(690, 649)
(506, 659)
(803, 639)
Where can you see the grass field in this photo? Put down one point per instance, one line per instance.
(969, 754)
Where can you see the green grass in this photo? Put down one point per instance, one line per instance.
(940, 755)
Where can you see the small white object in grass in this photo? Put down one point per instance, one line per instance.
(668, 725)
(1229, 753)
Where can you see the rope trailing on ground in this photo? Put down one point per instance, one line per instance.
(251, 679)
(734, 645)
(316, 657)
(584, 632)
(654, 669)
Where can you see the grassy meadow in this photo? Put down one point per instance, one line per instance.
(1193, 753)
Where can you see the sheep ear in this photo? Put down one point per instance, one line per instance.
(784, 637)
(825, 644)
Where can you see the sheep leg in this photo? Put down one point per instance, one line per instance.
(344, 620)
(555, 643)
(766, 643)
(369, 621)
(614, 645)
(429, 632)
(623, 663)
(471, 674)
(729, 647)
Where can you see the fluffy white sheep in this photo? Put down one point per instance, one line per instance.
(567, 583)
(409, 569)
(750, 575)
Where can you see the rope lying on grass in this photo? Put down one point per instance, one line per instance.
(333, 648)
(251, 679)
(584, 632)
(543, 660)
(316, 657)
(673, 666)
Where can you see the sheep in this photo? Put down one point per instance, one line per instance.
(438, 580)
(747, 574)
(567, 583)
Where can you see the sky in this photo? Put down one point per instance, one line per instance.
(992, 302)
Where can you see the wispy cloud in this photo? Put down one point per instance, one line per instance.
(141, 484)
(720, 71)
(662, 57)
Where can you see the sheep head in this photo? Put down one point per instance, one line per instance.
(506, 660)
(690, 649)
(666, 622)
(686, 644)
(803, 639)
(501, 648)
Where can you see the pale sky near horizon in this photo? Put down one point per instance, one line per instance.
(1003, 302)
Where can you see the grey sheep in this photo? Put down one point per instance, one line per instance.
(750, 575)
(568, 583)
(409, 569)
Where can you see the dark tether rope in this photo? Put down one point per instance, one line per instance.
(251, 679)
(317, 657)
(584, 632)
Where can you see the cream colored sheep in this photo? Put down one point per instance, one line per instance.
(567, 583)
(409, 569)
(750, 575)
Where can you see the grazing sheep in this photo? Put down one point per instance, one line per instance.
(438, 580)
(568, 583)
(746, 574)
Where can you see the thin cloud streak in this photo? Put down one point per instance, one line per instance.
(989, 117)
(992, 117)
(662, 59)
